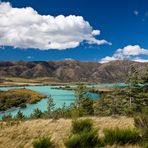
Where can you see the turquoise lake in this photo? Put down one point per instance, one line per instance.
(59, 97)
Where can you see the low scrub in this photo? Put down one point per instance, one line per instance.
(141, 122)
(121, 136)
(43, 142)
(83, 135)
(79, 126)
(83, 140)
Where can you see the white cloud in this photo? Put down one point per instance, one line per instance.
(25, 28)
(140, 60)
(130, 52)
(107, 59)
(136, 12)
(69, 59)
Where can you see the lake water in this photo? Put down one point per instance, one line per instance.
(59, 97)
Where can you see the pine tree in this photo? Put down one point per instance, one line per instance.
(36, 114)
(20, 116)
(83, 102)
(50, 106)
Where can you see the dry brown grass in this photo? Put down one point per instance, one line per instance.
(23, 134)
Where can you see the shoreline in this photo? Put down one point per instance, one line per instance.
(54, 84)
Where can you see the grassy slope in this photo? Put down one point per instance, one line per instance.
(25, 133)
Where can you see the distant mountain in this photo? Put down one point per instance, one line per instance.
(72, 71)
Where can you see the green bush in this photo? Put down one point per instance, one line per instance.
(83, 140)
(73, 142)
(144, 145)
(79, 126)
(141, 122)
(83, 135)
(43, 142)
(121, 136)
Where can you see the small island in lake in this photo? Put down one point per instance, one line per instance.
(18, 98)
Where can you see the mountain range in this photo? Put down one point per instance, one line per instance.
(72, 71)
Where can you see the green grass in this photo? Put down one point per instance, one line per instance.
(83, 140)
(141, 122)
(121, 136)
(79, 126)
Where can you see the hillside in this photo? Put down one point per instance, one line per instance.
(71, 71)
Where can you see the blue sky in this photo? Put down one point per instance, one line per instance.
(117, 30)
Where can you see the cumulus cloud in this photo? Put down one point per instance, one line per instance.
(130, 52)
(25, 28)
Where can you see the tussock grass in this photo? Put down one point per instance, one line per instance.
(43, 142)
(121, 136)
(24, 133)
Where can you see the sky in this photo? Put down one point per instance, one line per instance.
(90, 30)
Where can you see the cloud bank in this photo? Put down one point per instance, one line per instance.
(130, 52)
(25, 28)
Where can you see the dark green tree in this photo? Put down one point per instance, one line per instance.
(50, 106)
(36, 114)
(19, 115)
(84, 103)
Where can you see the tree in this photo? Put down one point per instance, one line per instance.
(36, 114)
(83, 102)
(50, 106)
(19, 115)
(133, 80)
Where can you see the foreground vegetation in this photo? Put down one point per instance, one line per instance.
(24, 133)
(18, 98)
(99, 131)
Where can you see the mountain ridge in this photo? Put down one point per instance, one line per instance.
(72, 70)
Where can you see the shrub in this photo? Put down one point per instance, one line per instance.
(43, 142)
(121, 136)
(145, 145)
(73, 142)
(129, 111)
(141, 122)
(83, 135)
(79, 126)
(83, 140)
